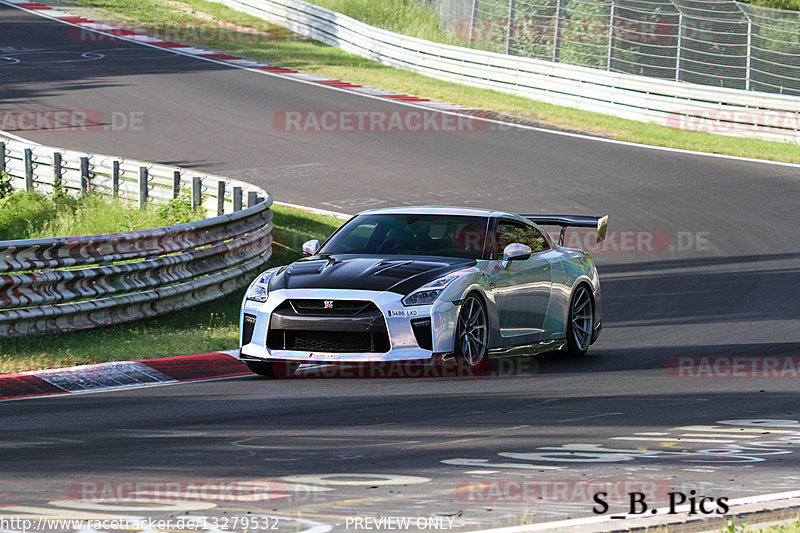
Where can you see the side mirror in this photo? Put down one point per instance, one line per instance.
(311, 247)
(516, 252)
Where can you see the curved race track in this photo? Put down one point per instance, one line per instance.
(716, 272)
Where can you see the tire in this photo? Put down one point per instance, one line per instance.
(581, 322)
(272, 369)
(472, 333)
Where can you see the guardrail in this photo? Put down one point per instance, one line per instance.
(70, 283)
(670, 103)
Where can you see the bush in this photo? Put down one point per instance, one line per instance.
(24, 214)
(31, 215)
(5, 184)
(179, 210)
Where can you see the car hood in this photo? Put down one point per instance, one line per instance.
(400, 274)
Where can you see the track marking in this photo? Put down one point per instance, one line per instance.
(588, 417)
(371, 479)
(242, 443)
(344, 503)
(674, 439)
(717, 429)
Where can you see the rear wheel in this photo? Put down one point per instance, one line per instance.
(472, 332)
(581, 322)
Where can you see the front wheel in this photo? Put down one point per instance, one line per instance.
(581, 322)
(472, 332)
(272, 369)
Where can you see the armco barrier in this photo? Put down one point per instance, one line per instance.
(677, 104)
(70, 283)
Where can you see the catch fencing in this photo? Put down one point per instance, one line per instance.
(721, 43)
(675, 99)
(70, 283)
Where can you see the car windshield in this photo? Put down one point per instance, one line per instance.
(411, 234)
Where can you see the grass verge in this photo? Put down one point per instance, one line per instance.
(274, 45)
(789, 527)
(33, 215)
(205, 328)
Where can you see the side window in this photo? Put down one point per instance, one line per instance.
(509, 232)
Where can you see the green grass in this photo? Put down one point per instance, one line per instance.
(289, 50)
(33, 215)
(793, 5)
(408, 17)
(793, 527)
(208, 327)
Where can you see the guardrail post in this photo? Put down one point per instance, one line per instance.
(679, 53)
(610, 58)
(28, 169)
(472, 20)
(748, 66)
(2, 157)
(84, 175)
(197, 185)
(142, 187)
(237, 199)
(252, 198)
(57, 170)
(176, 184)
(512, 12)
(115, 179)
(220, 198)
(557, 31)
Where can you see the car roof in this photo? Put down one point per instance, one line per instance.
(437, 210)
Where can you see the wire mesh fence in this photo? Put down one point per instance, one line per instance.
(721, 43)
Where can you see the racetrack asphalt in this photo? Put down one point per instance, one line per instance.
(709, 269)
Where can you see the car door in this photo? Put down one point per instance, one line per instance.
(522, 288)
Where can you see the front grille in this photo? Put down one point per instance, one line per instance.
(329, 341)
(327, 307)
(340, 326)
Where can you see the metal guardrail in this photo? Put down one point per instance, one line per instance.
(70, 283)
(671, 103)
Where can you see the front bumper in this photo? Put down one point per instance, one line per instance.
(385, 331)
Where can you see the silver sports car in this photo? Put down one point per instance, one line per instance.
(426, 284)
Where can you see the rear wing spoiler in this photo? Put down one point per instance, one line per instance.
(574, 221)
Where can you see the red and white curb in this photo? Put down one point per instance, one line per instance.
(234, 61)
(121, 375)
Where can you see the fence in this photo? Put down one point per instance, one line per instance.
(721, 43)
(663, 101)
(70, 283)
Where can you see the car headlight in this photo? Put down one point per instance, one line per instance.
(428, 293)
(259, 289)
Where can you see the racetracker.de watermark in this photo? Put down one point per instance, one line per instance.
(376, 121)
(544, 30)
(552, 490)
(636, 240)
(734, 121)
(735, 366)
(69, 120)
(179, 32)
(170, 492)
(502, 367)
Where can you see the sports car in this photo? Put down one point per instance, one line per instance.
(432, 284)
